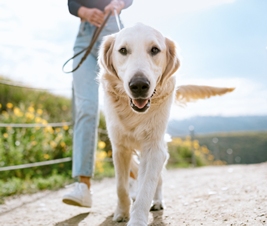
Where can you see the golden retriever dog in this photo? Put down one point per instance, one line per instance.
(137, 67)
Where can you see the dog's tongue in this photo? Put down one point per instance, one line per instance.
(140, 103)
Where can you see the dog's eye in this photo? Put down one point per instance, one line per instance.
(123, 51)
(154, 50)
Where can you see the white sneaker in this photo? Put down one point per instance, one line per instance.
(80, 196)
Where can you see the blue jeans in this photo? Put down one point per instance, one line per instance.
(85, 98)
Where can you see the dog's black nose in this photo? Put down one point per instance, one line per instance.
(139, 85)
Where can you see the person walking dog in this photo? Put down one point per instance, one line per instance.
(85, 91)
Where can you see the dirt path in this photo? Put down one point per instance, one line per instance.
(221, 195)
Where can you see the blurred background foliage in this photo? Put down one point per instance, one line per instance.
(36, 144)
(28, 145)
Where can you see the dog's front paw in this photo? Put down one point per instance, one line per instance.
(136, 223)
(120, 216)
(157, 205)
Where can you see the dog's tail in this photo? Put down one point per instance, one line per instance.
(190, 93)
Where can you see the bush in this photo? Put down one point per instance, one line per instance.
(58, 108)
(37, 144)
(27, 145)
(181, 154)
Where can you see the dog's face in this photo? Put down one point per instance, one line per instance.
(141, 58)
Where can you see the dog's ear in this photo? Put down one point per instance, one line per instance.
(172, 60)
(105, 51)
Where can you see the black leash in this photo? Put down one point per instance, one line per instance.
(89, 48)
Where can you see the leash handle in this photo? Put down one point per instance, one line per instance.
(87, 49)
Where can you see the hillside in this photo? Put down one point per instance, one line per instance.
(217, 124)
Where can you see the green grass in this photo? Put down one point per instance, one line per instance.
(17, 186)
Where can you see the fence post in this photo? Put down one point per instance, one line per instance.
(192, 130)
(229, 151)
(215, 141)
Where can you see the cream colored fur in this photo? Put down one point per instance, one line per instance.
(189, 93)
(131, 130)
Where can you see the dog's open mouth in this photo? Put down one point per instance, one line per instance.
(140, 105)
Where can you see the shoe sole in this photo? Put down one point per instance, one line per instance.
(73, 203)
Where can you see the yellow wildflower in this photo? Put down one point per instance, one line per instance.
(195, 144)
(31, 109)
(187, 143)
(9, 105)
(204, 150)
(39, 111)
(65, 127)
(49, 129)
(17, 112)
(38, 120)
(101, 144)
(5, 135)
(62, 144)
(177, 141)
(53, 144)
(109, 153)
(101, 155)
(99, 164)
(44, 122)
(29, 116)
(46, 156)
(59, 136)
(197, 153)
(210, 157)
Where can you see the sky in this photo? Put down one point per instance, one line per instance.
(221, 43)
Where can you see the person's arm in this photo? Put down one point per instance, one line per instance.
(92, 15)
(127, 3)
(74, 7)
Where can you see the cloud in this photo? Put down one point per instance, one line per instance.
(153, 11)
(35, 43)
(249, 98)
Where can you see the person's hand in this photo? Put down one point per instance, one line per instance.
(114, 4)
(92, 15)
